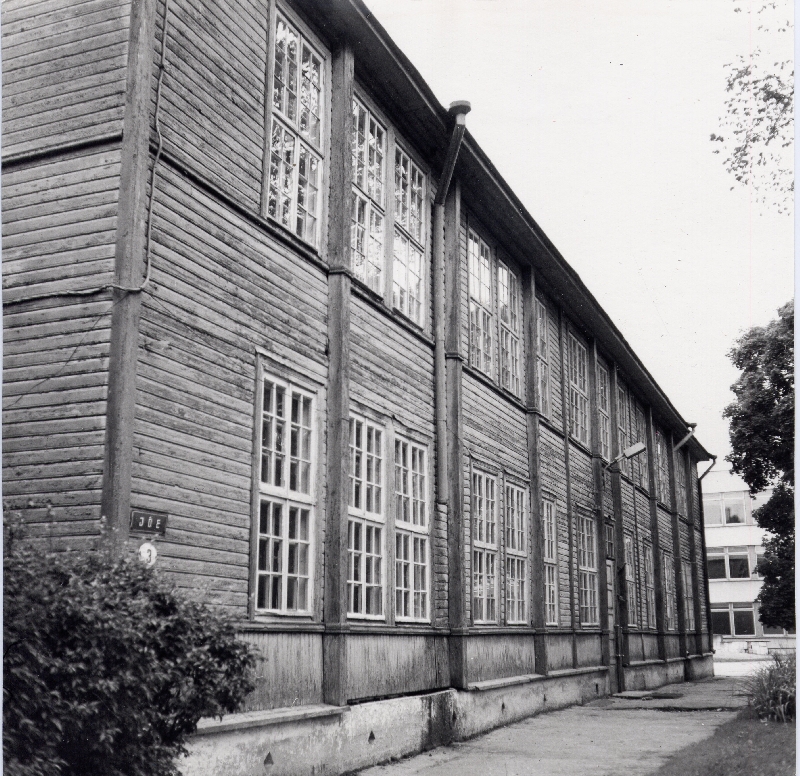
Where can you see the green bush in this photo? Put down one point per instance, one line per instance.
(106, 668)
(772, 689)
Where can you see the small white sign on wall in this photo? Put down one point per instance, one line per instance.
(148, 553)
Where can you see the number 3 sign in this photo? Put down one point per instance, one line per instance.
(148, 554)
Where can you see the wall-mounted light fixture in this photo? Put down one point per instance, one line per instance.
(627, 453)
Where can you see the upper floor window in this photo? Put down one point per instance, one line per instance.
(409, 237)
(285, 520)
(367, 223)
(578, 395)
(724, 508)
(643, 465)
(730, 563)
(481, 305)
(623, 424)
(630, 582)
(484, 548)
(670, 597)
(543, 357)
(603, 392)
(296, 136)
(509, 309)
(649, 586)
(516, 553)
(550, 557)
(662, 468)
(587, 570)
(680, 481)
(688, 595)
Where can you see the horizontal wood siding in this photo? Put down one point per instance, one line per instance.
(665, 529)
(556, 397)
(559, 651)
(382, 665)
(650, 646)
(212, 102)
(672, 643)
(590, 651)
(220, 288)
(498, 657)
(59, 226)
(64, 71)
(701, 577)
(288, 670)
(636, 646)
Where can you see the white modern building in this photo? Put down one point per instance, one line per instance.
(734, 545)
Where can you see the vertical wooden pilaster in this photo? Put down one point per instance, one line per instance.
(657, 565)
(538, 604)
(680, 593)
(706, 635)
(697, 636)
(457, 581)
(334, 641)
(129, 263)
(597, 477)
(562, 340)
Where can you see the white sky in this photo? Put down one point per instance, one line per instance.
(598, 114)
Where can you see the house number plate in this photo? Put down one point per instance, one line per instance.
(143, 521)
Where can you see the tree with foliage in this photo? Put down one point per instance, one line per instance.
(762, 439)
(106, 668)
(757, 129)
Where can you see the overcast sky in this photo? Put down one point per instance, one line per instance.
(598, 114)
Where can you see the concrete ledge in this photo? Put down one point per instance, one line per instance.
(508, 681)
(574, 671)
(255, 719)
(639, 663)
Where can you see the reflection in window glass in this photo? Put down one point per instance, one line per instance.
(712, 511)
(720, 622)
(743, 621)
(734, 509)
(738, 564)
(716, 568)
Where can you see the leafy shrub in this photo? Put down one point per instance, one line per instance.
(772, 689)
(106, 668)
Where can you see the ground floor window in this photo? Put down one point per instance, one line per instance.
(587, 570)
(733, 620)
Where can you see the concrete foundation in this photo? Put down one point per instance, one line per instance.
(327, 741)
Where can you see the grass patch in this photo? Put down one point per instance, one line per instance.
(745, 746)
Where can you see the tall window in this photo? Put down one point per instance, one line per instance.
(550, 562)
(623, 423)
(543, 357)
(630, 581)
(508, 304)
(516, 553)
(649, 586)
(603, 389)
(481, 317)
(680, 481)
(286, 506)
(578, 396)
(295, 167)
(725, 508)
(365, 524)
(367, 224)
(412, 526)
(642, 469)
(484, 548)
(662, 466)
(409, 237)
(587, 570)
(729, 563)
(670, 598)
(688, 594)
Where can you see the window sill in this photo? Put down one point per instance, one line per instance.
(256, 719)
(376, 300)
(483, 378)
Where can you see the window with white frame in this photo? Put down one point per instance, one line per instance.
(578, 395)
(688, 594)
(603, 409)
(550, 557)
(287, 440)
(729, 563)
(409, 237)
(508, 300)
(365, 530)
(543, 357)
(649, 586)
(680, 481)
(670, 597)
(484, 548)
(481, 315)
(367, 222)
(296, 133)
(662, 468)
(587, 570)
(412, 529)
(733, 619)
(516, 553)
(630, 582)
(642, 466)
(725, 508)
(623, 423)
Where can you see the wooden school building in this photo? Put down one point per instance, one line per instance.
(269, 306)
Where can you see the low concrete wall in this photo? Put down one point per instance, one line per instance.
(335, 741)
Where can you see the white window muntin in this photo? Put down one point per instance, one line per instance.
(285, 522)
(650, 586)
(543, 357)
(481, 304)
(670, 599)
(408, 268)
(366, 480)
(630, 582)
(587, 570)
(550, 557)
(688, 594)
(516, 547)
(369, 142)
(680, 482)
(365, 569)
(296, 152)
(578, 393)
(412, 531)
(623, 424)
(662, 469)
(508, 302)
(484, 547)
(603, 407)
